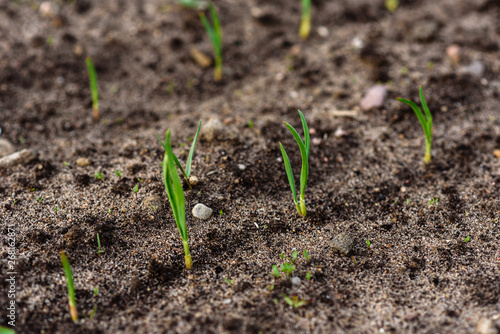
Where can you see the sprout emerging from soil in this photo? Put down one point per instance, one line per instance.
(71, 289)
(193, 4)
(425, 121)
(93, 87)
(300, 203)
(391, 5)
(305, 22)
(185, 172)
(175, 195)
(214, 31)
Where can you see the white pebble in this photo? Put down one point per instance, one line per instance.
(242, 167)
(323, 31)
(374, 97)
(296, 280)
(202, 211)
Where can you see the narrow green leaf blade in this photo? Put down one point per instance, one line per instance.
(191, 153)
(306, 132)
(417, 111)
(93, 82)
(304, 172)
(217, 29)
(289, 173)
(176, 189)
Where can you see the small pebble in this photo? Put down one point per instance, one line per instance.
(496, 153)
(18, 158)
(486, 326)
(6, 147)
(339, 133)
(242, 167)
(194, 180)
(200, 58)
(476, 68)
(202, 211)
(47, 10)
(357, 43)
(374, 97)
(296, 280)
(323, 31)
(342, 243)
(453, 53)
(82, 162)
(411, 316)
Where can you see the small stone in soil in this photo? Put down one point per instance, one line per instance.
(82, 162)
(296, 280)
(202, 211)
(476, 68)
(193, 180)
(486, 326)
(18, 158)
(374, 97)
(342, 243)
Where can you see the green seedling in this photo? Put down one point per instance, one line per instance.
(57, 208)
(250, 124)
(300, 203)
(275, 271)
(305, 21)
(306, 255)
(287, 268)
(425, 121)
(368, 243)
(135, 189)
(433, 201)
(294, 256)
(98, 176)
(175, 195)
(6, 330)
(467, 239)
(118, 173)
(229, 281)
(39, 199)
(93, 88)
(308, 275)
(214, 32)
(71, 288)
(193, 4)
(185, 172)
(391, 5)
(109, 210)
(99, 250)
(294, 302)
(282, 255)
(221, 212)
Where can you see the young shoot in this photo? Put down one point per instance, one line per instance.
(93, 88)
(305, 21)
(214, 32)
(425, 121)
(275, 271)
(175, 195)
(294, 301)
(300, 203)
(99, 250)
(185, 172)
(71, 289)
(193, 4)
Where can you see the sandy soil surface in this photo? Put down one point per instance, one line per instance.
(433, 263)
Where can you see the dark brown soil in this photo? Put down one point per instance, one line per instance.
(418, 276)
